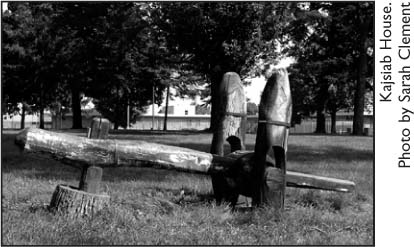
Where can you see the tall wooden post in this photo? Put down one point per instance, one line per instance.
(231, 127)
(275, 111)
(231, 117)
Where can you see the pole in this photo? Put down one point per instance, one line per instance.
(166, 108)
(153, 102)
(127, 116)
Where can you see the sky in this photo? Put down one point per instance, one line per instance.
(254, 90)
(4, 6)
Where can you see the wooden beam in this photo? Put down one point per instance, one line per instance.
(110, 153)
(303, 180)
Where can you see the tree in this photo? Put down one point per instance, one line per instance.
(252, 108)
(109, 54)
(221, 37)
(364, 24)
(326, 51)
(29, 70)
(76, 24)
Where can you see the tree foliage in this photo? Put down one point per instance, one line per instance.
(327, 46)
(218, 37)
(30, 66)
(120, 53)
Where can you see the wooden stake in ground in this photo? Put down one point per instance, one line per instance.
(275, 111)
(231, 124)
(86, 200)
(99, 128)
(231, 127)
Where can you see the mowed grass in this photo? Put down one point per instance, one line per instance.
(148, 206)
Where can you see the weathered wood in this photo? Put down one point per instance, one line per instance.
(91, 179)
(99, 128)
(104, 153)
(109, 152)
(56, 115)
(302, 180)
(231, 127)
(91, 176)
(275, 110)
(231, 124)
(245, 160)
(276, 183)
(76, 203)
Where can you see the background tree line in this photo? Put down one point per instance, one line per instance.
(117, 53)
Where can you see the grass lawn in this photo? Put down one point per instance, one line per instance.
(147, 206)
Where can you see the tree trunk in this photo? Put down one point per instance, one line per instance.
(42, 118)
(3, 110)
(41, 107)
(22, 121)
(333, 122)
(166, 108)
(321, 100)
(320, 122)
(215, 78)
(76, 108)
(76, 203)
(359, 100)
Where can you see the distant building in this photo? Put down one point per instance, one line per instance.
(30, 120)
(178, 106)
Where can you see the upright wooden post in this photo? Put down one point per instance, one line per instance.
(275, 111)
(91, 179)
(99, 128)
(231, 127)
(92, 175)
(231, 124)
(85, 200)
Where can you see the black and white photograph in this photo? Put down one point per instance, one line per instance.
(203, 122)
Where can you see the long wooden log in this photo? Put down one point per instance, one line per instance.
(109, 152)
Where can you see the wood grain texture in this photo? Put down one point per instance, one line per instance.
(139, 153)
(302, 180)
(91, 178)
(109, 152)
(232, 112)
(271, 139)
(99, 128)
(76, 203)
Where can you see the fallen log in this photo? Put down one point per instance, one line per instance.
(81, 151)
(109, 152)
